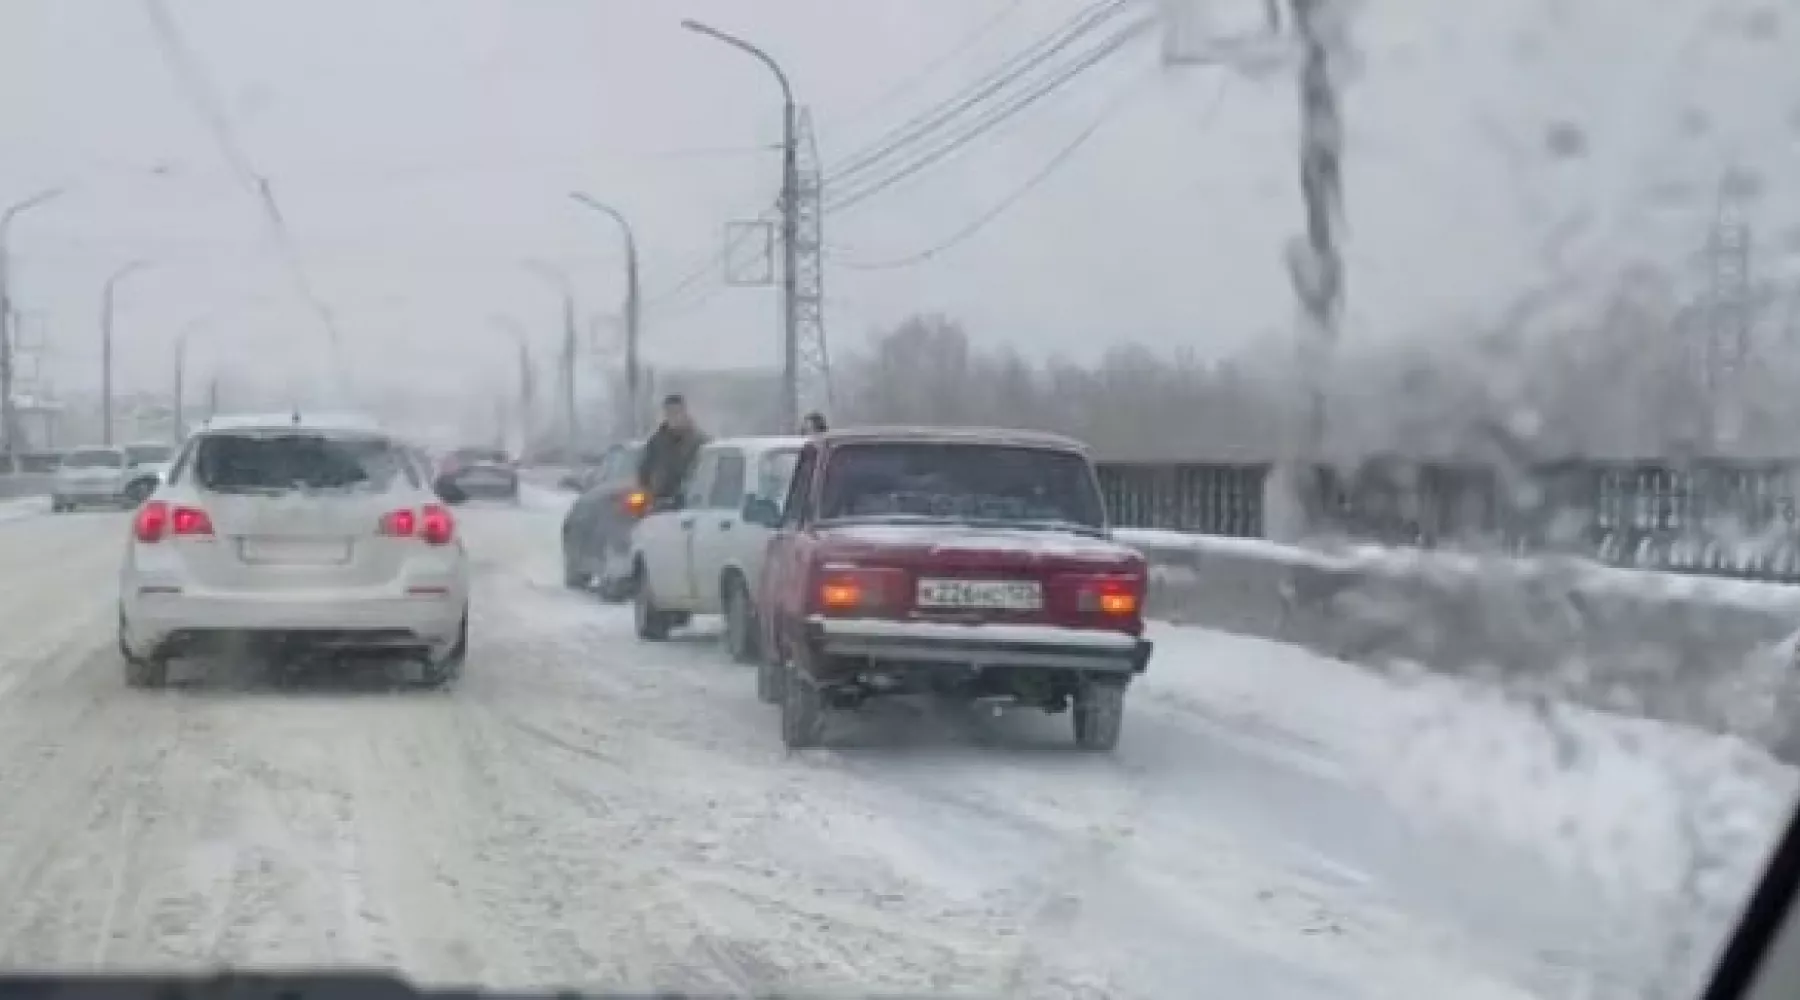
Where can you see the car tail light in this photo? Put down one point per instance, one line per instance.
(1112, 596)
(847, 589)
(433, 524)
(636, 503)
(437, 527)
(157, 520)
(400, 523)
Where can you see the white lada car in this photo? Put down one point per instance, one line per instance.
(284, 536)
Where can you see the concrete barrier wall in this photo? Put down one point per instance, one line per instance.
(1709, 653)
(25, 484)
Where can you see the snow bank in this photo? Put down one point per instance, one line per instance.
(1651, 812)
(1691, 650)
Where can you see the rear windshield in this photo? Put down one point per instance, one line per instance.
(962, 482)
(96, 459)
(148, 454)
(285, 462)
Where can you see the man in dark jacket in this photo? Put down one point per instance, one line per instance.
(670, 451)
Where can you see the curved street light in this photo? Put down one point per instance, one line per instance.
(9, 417)
(560, 278)
(790, 220)
(632, 300)
(108, 296)
(527, 385)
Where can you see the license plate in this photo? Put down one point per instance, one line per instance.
(995, 595)
(294, 551)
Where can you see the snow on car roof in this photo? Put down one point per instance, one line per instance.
(957, 435)
(758, 444)
(301, 419)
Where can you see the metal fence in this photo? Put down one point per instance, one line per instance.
(1713, 517)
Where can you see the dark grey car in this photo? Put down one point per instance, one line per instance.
(596, 533)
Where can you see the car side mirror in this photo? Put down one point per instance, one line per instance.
(761, 511)
(448, 491)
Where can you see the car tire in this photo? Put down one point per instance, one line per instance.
(141, 671)
(652, 623)
(59, 506)
(740, 621)
(1099, 715)
(802, 710)
(573, 578)
(446, 669)
(136, 493)
(769, 678)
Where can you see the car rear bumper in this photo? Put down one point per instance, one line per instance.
(981, 646)
(160, 620)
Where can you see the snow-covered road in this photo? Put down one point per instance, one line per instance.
(584, 809)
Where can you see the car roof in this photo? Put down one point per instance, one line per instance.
(1011, 437)
(289, 420)
(759, 443)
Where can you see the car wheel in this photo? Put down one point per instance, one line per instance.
(740, 621)
(141, 671)
(58, 505)
(1099, 715)
(573, 578)
(652, 622)
(802, 710)
(138, 492)
(436, 673)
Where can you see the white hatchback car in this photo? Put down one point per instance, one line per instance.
(300, 537)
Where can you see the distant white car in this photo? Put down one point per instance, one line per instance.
(705, 557)
(299, 536)
(108, 476)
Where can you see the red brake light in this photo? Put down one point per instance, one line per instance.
(1112, 596)
(157, 520)
(152, 521)
(438, 527)
(433, 524)
(846, 589)
(190, 521)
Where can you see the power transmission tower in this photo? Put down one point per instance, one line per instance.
(814, 375)
(1730, 312)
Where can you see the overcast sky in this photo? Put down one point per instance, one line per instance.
(420, 149)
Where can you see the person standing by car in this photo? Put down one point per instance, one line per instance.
(670, 451)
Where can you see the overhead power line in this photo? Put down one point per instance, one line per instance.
(1019, 194)
(943, 59)
(1094, 56)
(924, 126)
(195, 87)
(933, 119)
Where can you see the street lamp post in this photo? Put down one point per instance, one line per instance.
(790, 222)
(634, 405)
(557, 277)
(9, 416)
(527, 385)
(107, 299)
